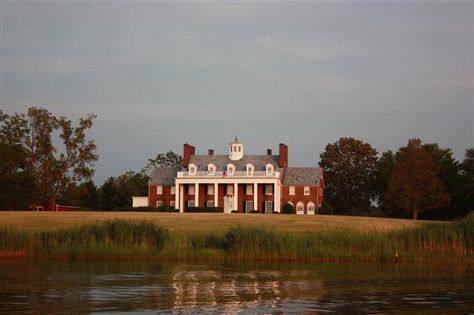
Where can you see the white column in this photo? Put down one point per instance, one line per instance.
(255, 196)
(181, 198)
(277, 197)
(176, 196)
(236, 197)
(216, 195)
(196, 195)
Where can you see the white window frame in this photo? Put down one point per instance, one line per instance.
(230, 189)
(192, 169)
(210, 203)
(249, 189)
(230, 169)
(269, 169)
(307, 190)
(310, 208)
(172, 203)
(159, 190)
(191, 190)
(173, 190)
(299, 208)
(250, 169)
(159, 203)
(191, 203)
(269, 189)
(248, 206)
(292, 191)
(210, 189)
(268, 206)
(211, 169)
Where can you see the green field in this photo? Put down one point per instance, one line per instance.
(206, 222)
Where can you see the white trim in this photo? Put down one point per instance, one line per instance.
(307, 190)
(230, 169)
(292, 191)
(192, 169)
(159, 190)
(300, 208)
(250, 169)
(269, 169)
(211, 169)
(309, 206)
(196, 194)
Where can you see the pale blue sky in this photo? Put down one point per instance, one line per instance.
(162, 74)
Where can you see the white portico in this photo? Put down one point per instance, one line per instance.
(234, 182)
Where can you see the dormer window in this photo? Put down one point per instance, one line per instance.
(192, 169)
(230, 169)
(211, 169)
(269, 170)
(250, 169)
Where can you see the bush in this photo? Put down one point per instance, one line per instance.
(326, 208)
(288, 209)
(164, 208)
(204, 209)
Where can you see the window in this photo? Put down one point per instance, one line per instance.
(211, 169)
(159, 190)
(249, 189)
(292, 190)
(269, 189)
(248, 206)
(159, 203)
(230, 189)
(192, 169)
(230, 169)
(250, 169)
(306, 191)
(300, 208)
(210, 189)
(190, 189)
(239, 148)
(268, 206)
(210, 203)
(310, 207)
(173, 190)
(191, 203)
(172, 203)
(269, 169)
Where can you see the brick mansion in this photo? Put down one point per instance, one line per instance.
(237, 182)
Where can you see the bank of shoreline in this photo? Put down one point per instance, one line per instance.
(141, 239)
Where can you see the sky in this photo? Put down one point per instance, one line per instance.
(160, 74)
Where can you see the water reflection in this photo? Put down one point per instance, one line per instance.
(37, 287)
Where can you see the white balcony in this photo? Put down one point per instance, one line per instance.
(218, 174)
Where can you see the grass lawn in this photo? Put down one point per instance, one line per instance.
(205, 222)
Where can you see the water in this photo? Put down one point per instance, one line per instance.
(78, 287)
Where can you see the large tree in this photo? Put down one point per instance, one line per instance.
(414, 184)
(57, 154)
(467, 168)
(163, 159)
(117, 192)
(349, 173)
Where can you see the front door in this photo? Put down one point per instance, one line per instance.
(228, 204)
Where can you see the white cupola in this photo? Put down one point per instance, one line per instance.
(236, 150)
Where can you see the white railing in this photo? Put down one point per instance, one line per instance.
(222, 174)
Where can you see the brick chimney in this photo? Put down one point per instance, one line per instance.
(283, 157)
(210, 152)
(269, 151)
(188, 150)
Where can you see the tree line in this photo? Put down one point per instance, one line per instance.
(44, 157)
(418, 179)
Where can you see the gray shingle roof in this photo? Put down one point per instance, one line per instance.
(221, 161)
(306, 176)
(164, 175)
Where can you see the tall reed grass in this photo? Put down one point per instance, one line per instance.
(142, 239)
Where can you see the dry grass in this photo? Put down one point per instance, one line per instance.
(205, 222)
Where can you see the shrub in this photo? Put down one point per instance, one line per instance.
(204, 209)
(288, 209)
(164, 208)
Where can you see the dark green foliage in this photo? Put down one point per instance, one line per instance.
(163, 159)
(288, 209)
(349, 175)
(164, 208)
(117, 192)
(204, 209)
(467, 168)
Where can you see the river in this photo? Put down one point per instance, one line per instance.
(128, 287)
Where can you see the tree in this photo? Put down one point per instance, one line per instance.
(57, 154)
(414, 184)
(450, 175)
(163, 159)
(384, 168)
(88, 195)
(117, 192)
(467, 167)
(349, 174)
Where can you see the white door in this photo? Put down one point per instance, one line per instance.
(228, 204)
